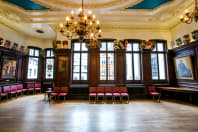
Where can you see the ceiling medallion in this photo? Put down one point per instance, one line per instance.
(189, 16)
(83, 27)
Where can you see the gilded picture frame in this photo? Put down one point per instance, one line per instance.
(184, 67)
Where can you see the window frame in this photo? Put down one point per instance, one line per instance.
(33, 56)
(51, 57)
(132, 52)
(72, 66)
(106, 52)
(164, 52)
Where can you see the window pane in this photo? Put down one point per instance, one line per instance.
(160, 47)
(84, 58)
(161, 67)
(33, 68)
(76, 46)
(129, 67)
(103, 66)
(76, 76)
(48, 53)
(154, 66)
(110, 46)
(76, 68)
(155, 48)
(136, 47)
(76, 58)
(52, 53)
(84, 48)
(103, 48)
(129, 47)
(36, 52)
(136, 66)
(84, 62)
(83, 76)
(110, 66)
(31, 52)
(49, 68)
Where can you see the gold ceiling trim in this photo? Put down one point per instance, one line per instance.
(74, 5)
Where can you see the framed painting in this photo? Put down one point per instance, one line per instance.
(62, 64)
(184, 67)
(9, 69)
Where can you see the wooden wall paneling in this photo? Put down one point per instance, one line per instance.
(120, 67)
(41, 71)
(171, 70)
(189, 49)
(62, 67)
(93, 66)
(146, 67)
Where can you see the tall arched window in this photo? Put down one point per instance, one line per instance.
(107, 60)
(49, 64)
(80, 61)
(158, 61)
(33, 63)
(133, 60)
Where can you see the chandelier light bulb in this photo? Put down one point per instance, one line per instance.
(181, 17)
(61, 25)
(90, 23)
(98, 22)
(80, 9)
(100, 31)
(94, 16)
(186, 11)
(85, 17)
(89, 12)
(67, 18)
(72, 12)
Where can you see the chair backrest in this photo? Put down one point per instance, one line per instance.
(64, 89)
(100, 89)
(6, 89)
(123, 89)
(116, 89)
(92, 90)
(13, 88)
(0, 90)
(20, 86)
(49, 89)
(56, 89)
(151, 88)
(108, 89)
(37, 85)
(30, 85)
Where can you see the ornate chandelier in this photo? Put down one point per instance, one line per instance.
(189, 16)
(82, 26)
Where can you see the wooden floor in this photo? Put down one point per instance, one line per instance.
(33, 114)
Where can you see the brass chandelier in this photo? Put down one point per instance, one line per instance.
(83, 27)
(189, 16)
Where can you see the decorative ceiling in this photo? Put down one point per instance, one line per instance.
(119, 14)
(149, 4)
(27, 4)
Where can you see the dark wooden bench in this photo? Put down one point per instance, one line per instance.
(190, 91)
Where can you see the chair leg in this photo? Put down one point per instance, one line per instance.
(159, 98)
(64, 98)
(45, 95)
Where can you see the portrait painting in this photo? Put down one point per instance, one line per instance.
(8, 69)
(62, 64)
(183, 67)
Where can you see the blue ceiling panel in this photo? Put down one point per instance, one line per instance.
(27, 4)
(149, 4)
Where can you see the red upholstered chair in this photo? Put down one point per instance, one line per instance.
(13, 90)
(20, 88)
(152, 91)
(30, 88)
(92, 93)
(37, 87)
(100, 93)
(63, 92)
(108, 93)
(3, 94)
(116, 93)
(54, 94)
(47, 92)
(124, 93)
